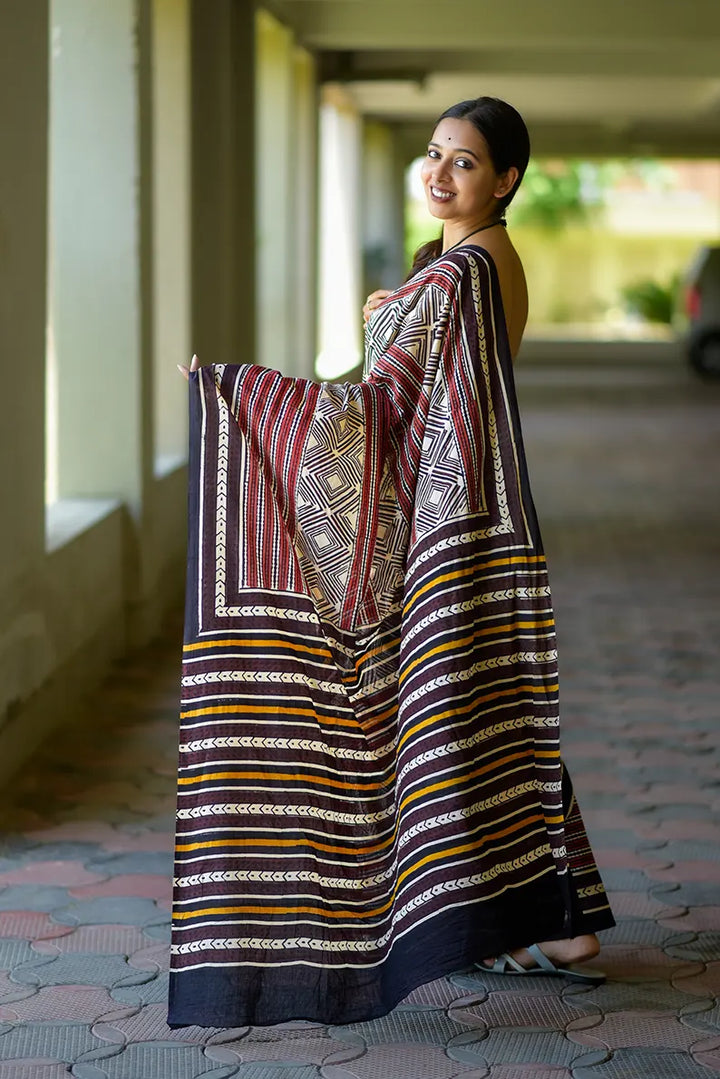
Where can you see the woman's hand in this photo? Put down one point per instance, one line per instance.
(186, 371)
(374, 300)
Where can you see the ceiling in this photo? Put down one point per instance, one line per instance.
(619, 76)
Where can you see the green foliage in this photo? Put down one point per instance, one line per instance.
(555, 194)
(651, 300)
(552, 196)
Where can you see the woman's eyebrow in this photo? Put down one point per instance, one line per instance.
(456, 149)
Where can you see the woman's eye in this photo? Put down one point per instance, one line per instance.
(433, 153)
(464, 163)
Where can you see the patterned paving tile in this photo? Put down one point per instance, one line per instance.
(629, 858)
(89, 830)
(658, 997)
(65, 874)
(158, 932)
(645, 1064)
(22, 1069)
(154, 991)
(59, 850)
(693, 893)
(150, 1025)
(625, 880)
(398, 1062)
(644, 931)
(528, 1071)
(705, 947)
(536, 1012)
(11, 991)
(102, 939)
(27, 897)
(51, 1041)
(112, 910)
(537, 985)
(64, 1004)
(13, 952)
(438, 994)
(697, 919)
(135, 862)
(637, 964)
(689, 871)
(502, 1045)
(30, 925)
(638, 905)
(662, 812)
(709, 1060)
(110, 970)
(691, 830)
(704, 983)
(298, 1047)
(143, 885)
(620, 838)
(627, 1031)
(706, 1019)
(688, 853)
(126, 842)
(154, 1059)
(417, 1027)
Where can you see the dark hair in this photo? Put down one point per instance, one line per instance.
(508, 143)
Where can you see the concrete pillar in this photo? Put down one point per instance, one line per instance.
(24, 34)
(223, 181)
(171, 227)
(274, 179)
(285, 175)
(304, 199)
(383, 208)
(95, 274)
(340, 276)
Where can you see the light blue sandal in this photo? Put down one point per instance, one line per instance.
(505, 964)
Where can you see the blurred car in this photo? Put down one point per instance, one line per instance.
(701, 302)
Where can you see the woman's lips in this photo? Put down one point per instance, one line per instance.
(438, 195)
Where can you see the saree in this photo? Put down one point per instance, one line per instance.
(370, 791)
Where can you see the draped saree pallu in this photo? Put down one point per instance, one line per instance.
(370, 787)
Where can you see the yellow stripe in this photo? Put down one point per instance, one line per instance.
(358, 915)
(209, 777)
(257, 643)
(511, 561)
(554, 687)
(243, 709)
(456, 643)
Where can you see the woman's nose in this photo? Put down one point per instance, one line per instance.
(440, 172)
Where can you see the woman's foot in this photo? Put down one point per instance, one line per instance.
(560, 952)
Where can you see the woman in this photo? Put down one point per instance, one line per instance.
(370, 792)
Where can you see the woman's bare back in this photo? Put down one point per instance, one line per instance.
(513, 287)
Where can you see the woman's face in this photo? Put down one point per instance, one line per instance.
(458, 176)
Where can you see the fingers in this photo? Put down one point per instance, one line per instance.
(186, 371)
(374, 300)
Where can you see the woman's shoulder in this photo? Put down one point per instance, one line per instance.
(510, 274)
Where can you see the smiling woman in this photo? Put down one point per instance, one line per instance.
(475, 161)
(371, 793)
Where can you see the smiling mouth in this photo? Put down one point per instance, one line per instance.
(441, 196)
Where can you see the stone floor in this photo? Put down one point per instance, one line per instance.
(625, 469)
